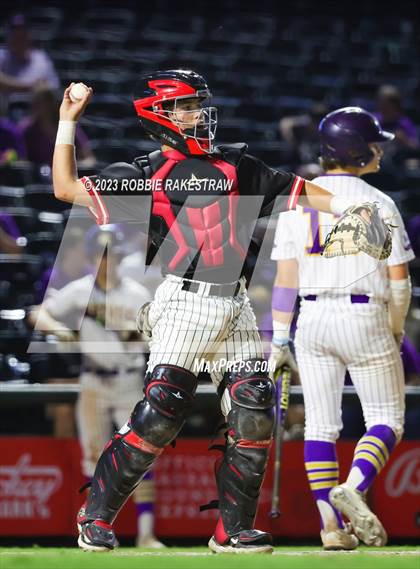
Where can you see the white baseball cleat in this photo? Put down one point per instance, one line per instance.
(339, 539)
(149, 541)
(365, 524)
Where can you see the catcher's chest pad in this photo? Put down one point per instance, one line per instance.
(200, 180)
(195, 203)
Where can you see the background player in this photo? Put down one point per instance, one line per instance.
(112, 377)
(351, 317)
(201, 309)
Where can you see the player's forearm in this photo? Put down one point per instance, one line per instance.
(318, 198)
(64, 170)
(66, 185)
(400, 297)
(285, 291)
(42, 320)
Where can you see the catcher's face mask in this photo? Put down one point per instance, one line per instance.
(193, 118)
(159, 102)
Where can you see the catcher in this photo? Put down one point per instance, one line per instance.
(205, 203)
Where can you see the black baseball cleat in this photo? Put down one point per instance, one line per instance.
(247, 541)
(96, 536)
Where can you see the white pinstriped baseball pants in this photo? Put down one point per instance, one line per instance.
(334, 335)
(103, 403)
(187, 327)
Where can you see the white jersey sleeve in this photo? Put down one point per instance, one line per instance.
(134, 296)
(69, 299)
(284, 241)
(401, 246)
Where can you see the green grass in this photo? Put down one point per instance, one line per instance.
(407, 557)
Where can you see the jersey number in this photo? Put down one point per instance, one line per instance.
(315, 238)
(314, 245)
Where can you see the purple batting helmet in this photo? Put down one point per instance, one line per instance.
(346, 133)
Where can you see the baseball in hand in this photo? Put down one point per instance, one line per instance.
(77, 92)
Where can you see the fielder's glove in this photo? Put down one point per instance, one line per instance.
(360, 228)
(280, 355)
(142, 321)
(66, 335)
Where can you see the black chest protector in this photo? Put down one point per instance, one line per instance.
(198, 225)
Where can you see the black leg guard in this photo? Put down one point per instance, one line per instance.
(154, 423)
(250, 428)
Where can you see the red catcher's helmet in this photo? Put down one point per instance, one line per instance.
(156, 90)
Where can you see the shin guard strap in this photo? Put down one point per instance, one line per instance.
(134, 440)
(245, 443)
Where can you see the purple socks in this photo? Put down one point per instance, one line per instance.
(322, 471)
(370, 456)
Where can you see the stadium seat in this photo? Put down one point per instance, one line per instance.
(45, 244)
(412, 182)
(19, 268)
(11, 197)
(109, 107)
(12, 368)
(41, 197)
(18, 274)
(24, 217)
(18, 174)
(410, 202)
(29, 220)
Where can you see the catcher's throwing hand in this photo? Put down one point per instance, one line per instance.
(279, 356)
(361, 228)
(70, 111)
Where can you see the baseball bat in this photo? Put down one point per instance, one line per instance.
(282, 404)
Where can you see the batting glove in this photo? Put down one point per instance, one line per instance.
(279, 356)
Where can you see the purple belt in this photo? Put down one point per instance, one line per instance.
(354, 298)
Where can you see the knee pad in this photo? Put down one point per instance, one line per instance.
(169, 393)
(253, 399)
(170, 390)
